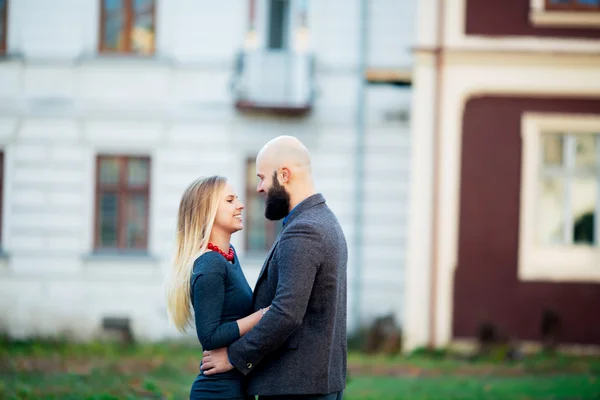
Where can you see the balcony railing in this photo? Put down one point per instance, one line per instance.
(274, 80)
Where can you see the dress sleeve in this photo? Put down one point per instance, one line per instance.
(208, 294)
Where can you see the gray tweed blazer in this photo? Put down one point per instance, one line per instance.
(299, 346)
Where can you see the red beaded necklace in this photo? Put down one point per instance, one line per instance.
(228, 257)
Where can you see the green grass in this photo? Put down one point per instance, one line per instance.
(448, 363)
(464, 387)
(59, 370)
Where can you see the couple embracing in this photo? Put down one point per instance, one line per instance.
(287, 339)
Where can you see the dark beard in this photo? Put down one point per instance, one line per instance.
(278, 201)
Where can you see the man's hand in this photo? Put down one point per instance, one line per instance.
(215, 362)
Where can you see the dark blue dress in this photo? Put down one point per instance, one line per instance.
(220, 296)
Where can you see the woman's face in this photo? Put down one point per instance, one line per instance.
(229, 211)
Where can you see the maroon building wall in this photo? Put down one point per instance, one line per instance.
(486, 287)
(511, 18)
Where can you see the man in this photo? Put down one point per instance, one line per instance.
(298, 350)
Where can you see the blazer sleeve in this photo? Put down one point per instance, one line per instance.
(208, 294)
(300, 253)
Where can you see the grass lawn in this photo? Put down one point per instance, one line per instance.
(46, 370)
(561, 387)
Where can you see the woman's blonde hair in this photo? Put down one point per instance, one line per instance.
(195, 219)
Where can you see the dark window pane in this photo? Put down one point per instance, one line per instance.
(109, 171)
(261, 233)
(142, 35)
(256, 226)
(584, 229)
(576, 4)
(278, 21)
(137, 172)
(107, 219)
(114, 25)
(584, 195)
(251, 178)
(136, 221)
(589, 3)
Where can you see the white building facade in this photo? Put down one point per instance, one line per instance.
(109, 109)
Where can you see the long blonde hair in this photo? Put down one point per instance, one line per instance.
(195, 218)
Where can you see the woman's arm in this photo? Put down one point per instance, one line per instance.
(208, 294)
(247, 323)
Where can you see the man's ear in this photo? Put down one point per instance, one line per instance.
(285, 174)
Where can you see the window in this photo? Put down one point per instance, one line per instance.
(560, 198)
(565, 13)
(568, 189)
(127, 26)
(260, 232)
(122, 200)
(3, 25)
(571, 5)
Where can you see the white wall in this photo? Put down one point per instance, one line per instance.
(187, 30)
(392, 25)
(61, 105)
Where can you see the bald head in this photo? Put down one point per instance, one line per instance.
(284, 169)
(285, 151)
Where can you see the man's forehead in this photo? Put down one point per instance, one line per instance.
(262, 163)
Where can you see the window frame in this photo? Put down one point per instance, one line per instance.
(544, 13)
(4, 16)
(569, 263)
(270, 226)
(128, 27)
(122, 190)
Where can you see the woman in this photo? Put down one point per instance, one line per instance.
(206, 275)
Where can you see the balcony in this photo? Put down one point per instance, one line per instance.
(274, 81)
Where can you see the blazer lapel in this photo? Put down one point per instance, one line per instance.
(262, 272)
(307, 203)
(266, 263)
